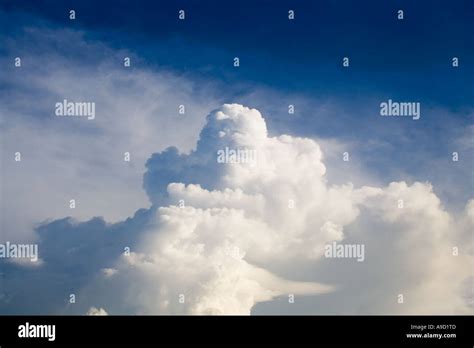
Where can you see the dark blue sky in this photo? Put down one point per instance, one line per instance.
(409, 59)
(299, 61)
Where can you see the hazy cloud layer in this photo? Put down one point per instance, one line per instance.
(64, 158)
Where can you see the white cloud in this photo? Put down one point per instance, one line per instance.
(96, 311)
(224, 249)
(108, 272)
(246, 234)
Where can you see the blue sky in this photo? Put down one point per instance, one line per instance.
(190, 62)
(402, 60)
(397, 58)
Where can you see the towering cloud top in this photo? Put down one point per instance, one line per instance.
(252, 158)
(233, 125)
(223, 228)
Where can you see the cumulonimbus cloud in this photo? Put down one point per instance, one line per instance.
(221, 229)
(225, 236)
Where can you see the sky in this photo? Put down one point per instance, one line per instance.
(244, 238)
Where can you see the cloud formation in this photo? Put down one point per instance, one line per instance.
(136, 112)
(96, 311)
(223, 237)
